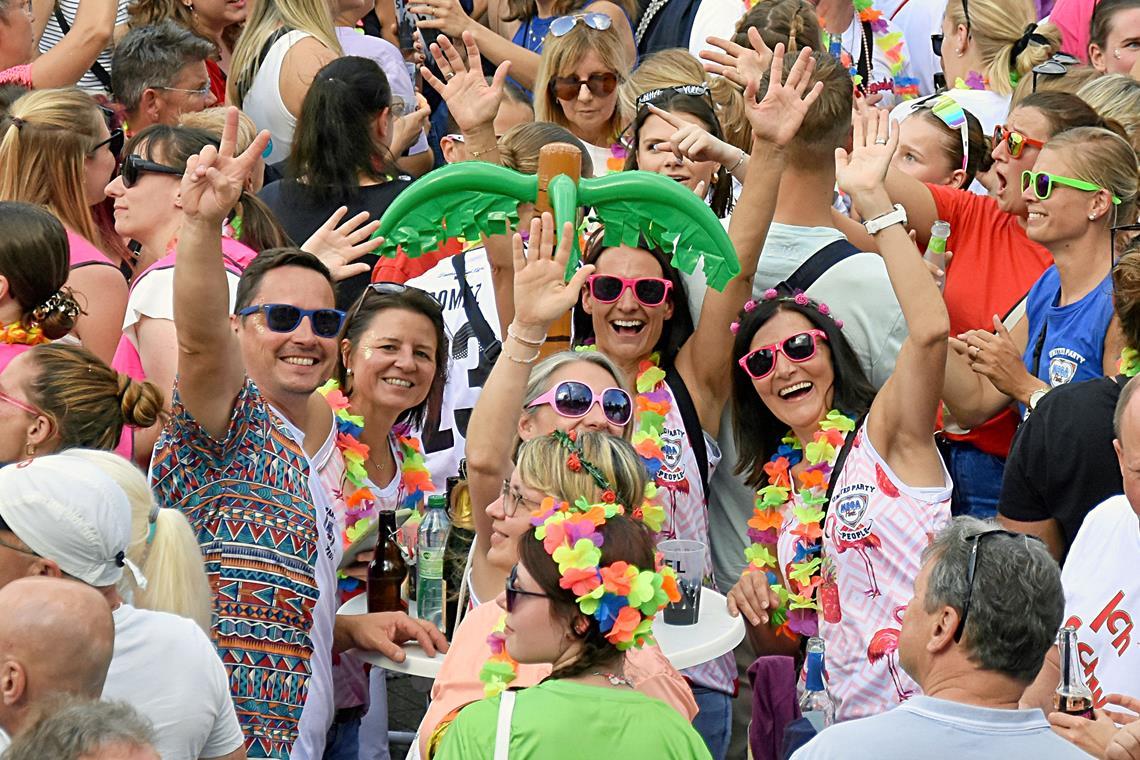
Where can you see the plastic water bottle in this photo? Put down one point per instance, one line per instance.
(816, 702)
(431, 591)
(936, 248)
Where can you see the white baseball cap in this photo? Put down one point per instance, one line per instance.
(71, 512)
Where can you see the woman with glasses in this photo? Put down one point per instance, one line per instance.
(590, 688)
(582, 65)
(517, 31)
(57, 152)
(542, 471)
(849, 483)
(1081, 187)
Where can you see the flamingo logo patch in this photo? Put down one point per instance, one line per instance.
(851, 509)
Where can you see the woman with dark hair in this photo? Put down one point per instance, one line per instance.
(35, 305)
(343, 154)
(850, 483)
(392, 368)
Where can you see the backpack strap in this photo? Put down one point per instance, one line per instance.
(489, 343)
(819, 262)
(692, 422)
(96, 69)
(839, 460)
(503, 726)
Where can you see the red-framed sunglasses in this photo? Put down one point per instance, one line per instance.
(1015, 141)
(649, 291)
(800, 347)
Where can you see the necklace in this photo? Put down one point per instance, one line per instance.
(500, 669)
(890, 43)
(16, 333)
(797, 612)
(614, 679)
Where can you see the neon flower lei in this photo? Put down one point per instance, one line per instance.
(797, 613)
(359, 500)
(888, 42)
(1129, 362)
(17, 333)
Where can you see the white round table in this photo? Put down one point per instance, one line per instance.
(715, 633)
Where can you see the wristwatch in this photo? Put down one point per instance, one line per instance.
(1035, 398)
(882, 221)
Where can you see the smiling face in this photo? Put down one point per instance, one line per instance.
(589, 114)
(799, 394)
(1007, 169)
(287, 367)
(534, 632)
(921, 153)
(1121, 45)
(1064, 214)
(627, 330)
(506, 530)
(656, 131)
(544, 419)
(393, 362)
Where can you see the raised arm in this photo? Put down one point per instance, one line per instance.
(903, 415)
(210, 370)
(68, 61)
(472, 102)
(704, 362)
(542, 296)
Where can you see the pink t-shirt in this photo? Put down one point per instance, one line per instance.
(876, 528)
(21, 75)
(9, 351)
(82, 252)
(1072, 17)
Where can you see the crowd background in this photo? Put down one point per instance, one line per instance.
(904, 424)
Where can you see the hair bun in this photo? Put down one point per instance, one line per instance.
(140, 403)
(58, 315)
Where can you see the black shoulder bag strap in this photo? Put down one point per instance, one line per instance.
(489, 343)
(839, 460)
(692, 422)
(819, 262)
(96, 69)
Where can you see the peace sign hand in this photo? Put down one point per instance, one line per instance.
(542, 294)
(215, 177)
(472, 102)
(778, 117)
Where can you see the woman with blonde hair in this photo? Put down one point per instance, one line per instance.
(577, 86)
(1116, 97)
(56, 151)
(218, 21)
(283, 46)
(163, 547)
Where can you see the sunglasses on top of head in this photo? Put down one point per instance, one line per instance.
(285, 318)
(574, 400)
(649, 291)
(568, 88)
(800, 347)
(135, 166)
(563, 25)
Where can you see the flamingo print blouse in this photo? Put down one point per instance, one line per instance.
(876, 528)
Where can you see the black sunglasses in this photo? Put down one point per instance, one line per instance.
(976, 542)
(599, 85)
(114, 143)
(285, 318)
(387, 289)
(695, 90)
(514, 592)
(1057, 66)
(936, 43)
(134, 166)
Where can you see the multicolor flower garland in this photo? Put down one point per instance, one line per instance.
(797, 613)
(890, 43)
(360, 503)
(19, 334)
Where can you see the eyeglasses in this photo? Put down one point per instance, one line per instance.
(936, 43)
(696, 90)
(798, 348)
(135, 166)
(562, 25)
(649, 291)
(285, 318)
(1057, 65)
(514, 592)
(114, 143)
(15, 548)
(1042, 183)
(568, 88)
(573, 400)
(976, 541)
(512, 501)
(202, 92)
(950, 113)
(21, 405)
(1015, 141)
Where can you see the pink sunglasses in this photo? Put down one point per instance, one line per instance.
(23, 405)
(798, 348)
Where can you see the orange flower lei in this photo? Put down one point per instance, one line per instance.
(17, 333)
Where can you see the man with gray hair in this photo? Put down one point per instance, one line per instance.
(986, 607)
(41, 657)
(159, 73)
(87, 731)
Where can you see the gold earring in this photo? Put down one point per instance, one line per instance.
(30, 450)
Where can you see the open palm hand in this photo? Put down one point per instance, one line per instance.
(778, 117)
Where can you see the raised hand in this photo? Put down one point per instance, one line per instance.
(339, 244)
(542, 294)
(447, 16)
(472, 102)
(737, 63)
(873, 145)
(694, 142)
(778, 117)
(215, 177)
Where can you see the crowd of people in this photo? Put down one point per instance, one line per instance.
(849, 294)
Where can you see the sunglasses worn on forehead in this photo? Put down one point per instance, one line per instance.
(1015, 141)
(798, 348)
(696, 90)
(649, 291)
(514, 592)
(562, 25)
(285, 318)
(135, 166)
(950, 113)
(573, 400)
(599, 85)
(1042, 184)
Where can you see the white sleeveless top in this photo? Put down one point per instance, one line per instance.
(263, 102)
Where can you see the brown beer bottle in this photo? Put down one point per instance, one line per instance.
(1073, 696)
(387, 570)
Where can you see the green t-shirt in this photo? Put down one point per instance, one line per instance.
(568, 720)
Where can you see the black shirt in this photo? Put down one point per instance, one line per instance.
(301, 213)
(1062, 463)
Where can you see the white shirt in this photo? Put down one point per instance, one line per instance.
(263, 102)
(715, 18)
(917, 20)
(1102, 597)
(167, 668)
(153, 297)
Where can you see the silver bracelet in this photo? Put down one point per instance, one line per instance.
(739, 161)
(525, 341)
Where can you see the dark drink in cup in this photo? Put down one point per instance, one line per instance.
(687, 558)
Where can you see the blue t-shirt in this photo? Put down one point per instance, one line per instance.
(1066, 343)
(532, 33)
